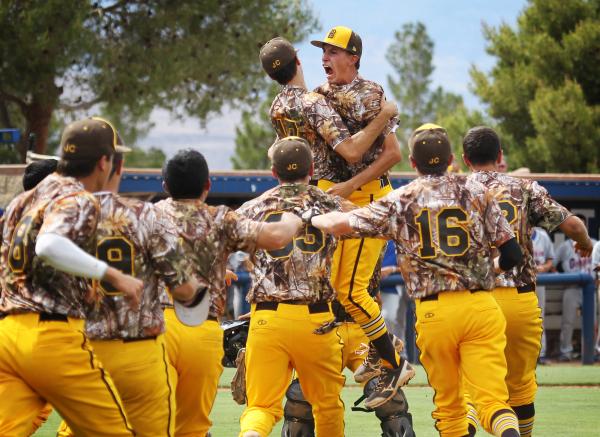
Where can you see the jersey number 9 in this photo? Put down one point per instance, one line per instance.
(117, 252)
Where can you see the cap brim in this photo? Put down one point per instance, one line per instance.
(193, 315)
(32, 156)
(320, 44)
(122, 149)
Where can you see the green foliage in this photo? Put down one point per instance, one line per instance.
(189, 57)
(545, 87)
(255, 135)
(151, 158)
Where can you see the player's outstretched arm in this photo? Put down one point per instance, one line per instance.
(64, 255)
(275, 235)
(353, 148)
(335, 223)
(390, 156)
(575, 229)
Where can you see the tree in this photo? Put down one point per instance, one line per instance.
(124, 58)
(411, 56)
(255, 135)
(545, 87)
(151, 158)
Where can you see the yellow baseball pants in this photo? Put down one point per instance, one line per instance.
(279, 341)
(354, 263)
(353, 338)
(53, 361)
(140, 372)
(195, 354)
(461, 334)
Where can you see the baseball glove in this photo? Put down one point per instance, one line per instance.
(238, 383)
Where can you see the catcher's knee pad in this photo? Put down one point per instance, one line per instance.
(297, 412)
(395, 419)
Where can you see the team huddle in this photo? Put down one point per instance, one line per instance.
(110, 306)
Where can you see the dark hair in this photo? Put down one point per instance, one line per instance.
(186, 174)
(37, 171)
(357, 64)
(481, 145)
(117, 160)
(285, 73)
(78, 168)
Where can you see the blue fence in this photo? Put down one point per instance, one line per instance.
(588, 308)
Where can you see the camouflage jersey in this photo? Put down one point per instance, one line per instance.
(134, 238)
(444, 228)
(301, 270)
(58, 205)
(358, 103)
(525, 204)
(298, 112)
(208, 235)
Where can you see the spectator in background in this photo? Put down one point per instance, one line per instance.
(596, 268)
(543, 255)
(568, 261)
(394, 299)
(236, 294)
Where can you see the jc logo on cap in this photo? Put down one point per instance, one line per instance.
(69, 148)
(276, 63)
(292, 166)
(435, 160)
(331, 34)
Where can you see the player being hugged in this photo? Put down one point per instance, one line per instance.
(290, 324)
(444, 226)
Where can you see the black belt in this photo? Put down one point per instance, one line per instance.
(131, 340)
(435, 296)
(313, 308)
(51, 317)
(525, 288)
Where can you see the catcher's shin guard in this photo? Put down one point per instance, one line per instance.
(297, 412)
(395, 419)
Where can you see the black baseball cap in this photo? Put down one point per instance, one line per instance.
(430, 147)
(276, 54)
(342, 37)
(90, 138)
(291, 158)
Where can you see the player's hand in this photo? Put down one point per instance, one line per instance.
(244, 317)
(342, 189)
(229, 277)
(131, 287)
(584, 249)
(387, 271)
(390, 109)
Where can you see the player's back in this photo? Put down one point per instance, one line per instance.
(133, 238)
(60, 205)
(445, 227)
(300, 271)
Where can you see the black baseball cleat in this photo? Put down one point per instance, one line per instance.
(389, 382)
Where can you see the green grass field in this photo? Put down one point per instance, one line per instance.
(567, 405)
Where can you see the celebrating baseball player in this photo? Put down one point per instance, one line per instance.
(208, 235)
(525, 204)
(48, 237)
(445, 226)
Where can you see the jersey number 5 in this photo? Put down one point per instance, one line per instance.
(312, 241)
(453, 239)
(117, 252)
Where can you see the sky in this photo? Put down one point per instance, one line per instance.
(454, 26)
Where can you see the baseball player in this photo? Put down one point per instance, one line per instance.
(208, 235)
(543, 256)
(525, 204)
(357, 101)
(134, 237)
(291, 324)
(297, 112)
(444, 226)
(48, 235)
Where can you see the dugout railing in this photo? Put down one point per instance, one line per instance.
(588, 312)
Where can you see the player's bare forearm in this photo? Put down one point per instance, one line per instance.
(335, 223)
(355, 147)
(276, 235)
(575, 229)
(131, 287)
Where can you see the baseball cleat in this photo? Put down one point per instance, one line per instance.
(390, 380)
(371, 366)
